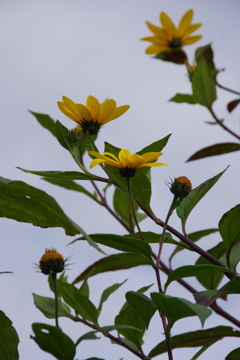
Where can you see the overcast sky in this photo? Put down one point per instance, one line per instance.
(91, 47)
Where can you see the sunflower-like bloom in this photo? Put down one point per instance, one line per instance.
(92, 116)
(168, 37)
(126, 162)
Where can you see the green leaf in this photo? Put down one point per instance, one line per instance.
(194, 270)
(61, 175)
(195, 236)
(175, 308)
(6, 272)
(22, 202)
(84, 289)
(229, 227)
(195, 339)
(153, 238)
(142, 304)
(130, 317)
(184, 98)
(204, 348)
(109, 328)
(155, 146)
(175, 56)
(64, 136)
(189, 202)
(203, 78)
(80, 303)
(8, 339)
(107, 292)
(233, 355)
(122, 207)
(113, 263)
(206, 298)
(212, 280)
(52, 340)
(122, 243)
(88, 336)
(46, 121)
(47, 306)
(213, 150)
(231, 106)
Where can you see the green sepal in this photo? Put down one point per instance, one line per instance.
(52, 340)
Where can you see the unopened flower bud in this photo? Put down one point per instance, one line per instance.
(181, 186)
(51, 262)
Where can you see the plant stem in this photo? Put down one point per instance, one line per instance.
(222, 125)
(227, 89)
(54, 278)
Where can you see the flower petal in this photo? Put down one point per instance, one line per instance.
(85, 114)
(151, 156)
(156, 49)
(191, 40)
(118, 112)
(159, 32)
(167, 23)
(66, 112)
(94, 107)
(185, 22)
(151, 165)
(106, 110)
(190, 30)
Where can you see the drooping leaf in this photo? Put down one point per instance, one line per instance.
(106, 293)
(80, 303)
(184, 98)
(47, 306)
(231, 106)
(8, 339)
(175, 308)
(195, 339)
(62, 175)
(122, 243)
(203, 77)
(88, 336)
(194, 270)
(113, 263)
(46, 121)
(189, 202)
(22, 202)
(229, 227)
(213, 150)
(53, 340)
(142, 304)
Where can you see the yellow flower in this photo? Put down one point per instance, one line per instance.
(51, 262)
(126, 162)
(92, 116)
(168, 37)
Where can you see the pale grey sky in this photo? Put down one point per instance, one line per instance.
(92, 47)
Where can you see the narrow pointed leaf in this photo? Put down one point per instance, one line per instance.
(46, 121)
(53, 340)
(184, 98)
(8, 339)
(61, 175)
(22, 202)
(195, 339)
(231, 106)
(194, 270)
(88, 336)
(106, 293)
(155, 146)
(47, 306)
(113, 263)
(122, 243)
(204, 348)
(213, 150)
(175, 308)
(142, 304)
(229, 227)
(80, 303)
(153, 238)
(64, 136)
(189, 202)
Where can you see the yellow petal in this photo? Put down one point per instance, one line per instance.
(84, 112)
(167, 23)
(157, 30)
(106, 110)
(185, 22)
(111, 155)
(66, 112)
(156, 49)
(94, 107)
(118, 112)
(95, 162)
(70, 106)
(152, 165)
(190, 30)
(191, 40)
(148, 157)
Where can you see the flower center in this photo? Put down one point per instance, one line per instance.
(91, 126)
(175, 44)
(127, 172)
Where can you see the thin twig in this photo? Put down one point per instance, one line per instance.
(227, 89)
(222, 124)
